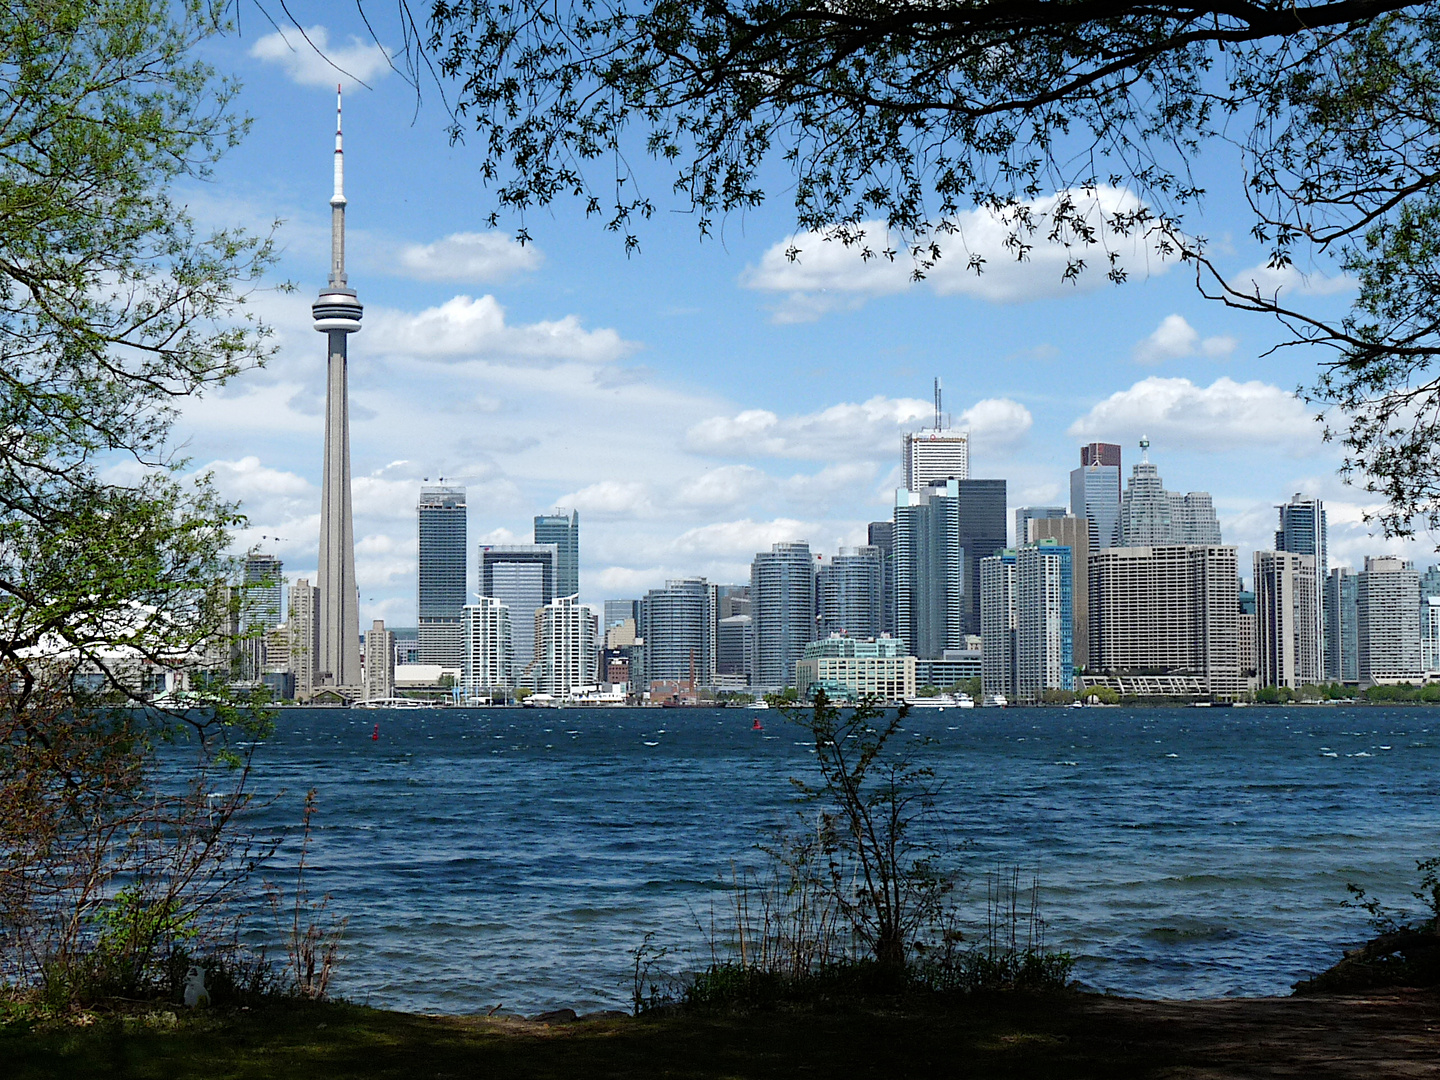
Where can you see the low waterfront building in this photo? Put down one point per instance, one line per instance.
(952, 667)
(848, 669)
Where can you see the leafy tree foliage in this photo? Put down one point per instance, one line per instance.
(1075, 123)
(113, 309)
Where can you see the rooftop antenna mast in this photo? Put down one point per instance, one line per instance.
(937, 402)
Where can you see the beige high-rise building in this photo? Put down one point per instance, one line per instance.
(304, 635)
(1171, 611)
(1074, 533)
(1388, 622)
(1287, 620)
(379, 662)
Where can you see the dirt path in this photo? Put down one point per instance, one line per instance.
(1394, 1034)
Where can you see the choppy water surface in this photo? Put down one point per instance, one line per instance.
(515, 857)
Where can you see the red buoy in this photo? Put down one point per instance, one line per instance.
(757, 726)
(375, 735)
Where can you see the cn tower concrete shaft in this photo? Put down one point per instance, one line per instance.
(337, 314)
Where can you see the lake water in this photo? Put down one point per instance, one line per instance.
(514, 858)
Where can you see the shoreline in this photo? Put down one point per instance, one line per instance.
(1394, 1033)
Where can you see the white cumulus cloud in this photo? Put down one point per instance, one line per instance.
(464, 328)
(739, 540)
(478, 258)
(727, 485)
(996, 422)
(610, 499)
(310, 60)
(846, 430)
(870, 429)
(1222, 416)
(827, 274)
(1175, 338)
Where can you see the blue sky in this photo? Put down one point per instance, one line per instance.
(699, 400)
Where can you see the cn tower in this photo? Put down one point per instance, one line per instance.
(337, 315)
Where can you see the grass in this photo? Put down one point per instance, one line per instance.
(1069, 1036)
(335, 1040)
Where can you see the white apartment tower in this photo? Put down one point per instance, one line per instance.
(379, 662)
(1287, 620)
(1388, 622)
(565, 634)
(997, 624)
(1430, 636)
(488, 658)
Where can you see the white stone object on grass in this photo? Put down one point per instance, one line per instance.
(196, 996)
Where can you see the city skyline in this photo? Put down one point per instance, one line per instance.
(564, 374)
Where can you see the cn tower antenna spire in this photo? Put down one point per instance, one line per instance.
(337, 205)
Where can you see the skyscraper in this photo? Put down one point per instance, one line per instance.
(617, 611)
(679, 626)
(935, 454)
(735, 646)
(1095, 493)
(1387, 622)
(1303, 531)
(1287, 597)
(487, 664)
(850, 592)
(564, 647)
(260, 612)
(562, 530)
(522, 577)
(304, 636)
(1044, 620)
(1073, 533)
(1026, 514)
(782, 607)
(997, 623)
(379, 662)
(264, 588)
(1430, 635)
(929, 569)
(337, 314)
(1150, 515)
(981, 527)
(1342, 646)
(881, 536)
(932, 456)
(1169, 611)
(440, 583)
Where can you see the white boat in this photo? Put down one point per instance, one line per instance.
(942, 702)
(998, 701)
(758, 703)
